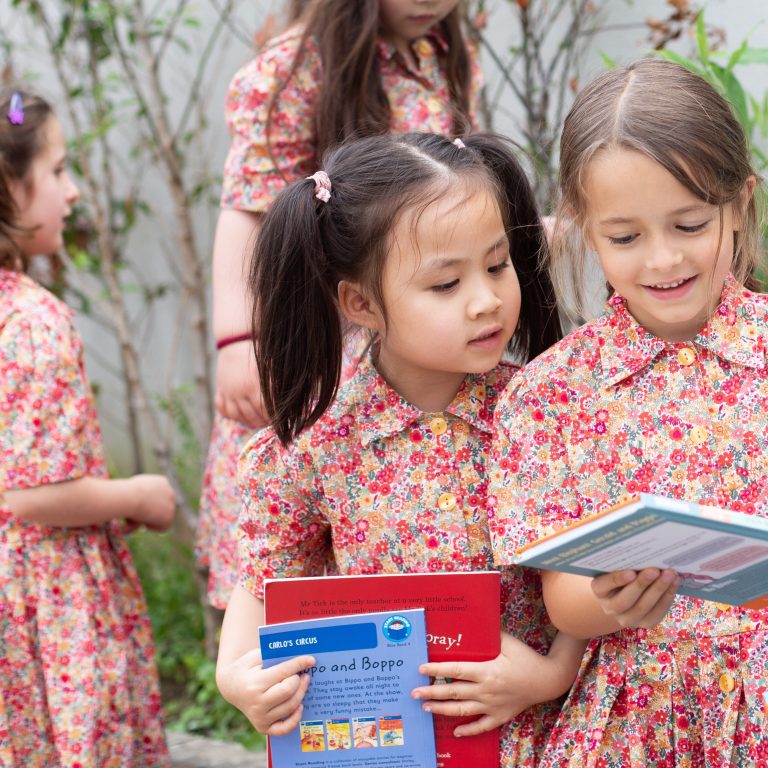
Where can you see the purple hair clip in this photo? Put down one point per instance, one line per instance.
(15, 109)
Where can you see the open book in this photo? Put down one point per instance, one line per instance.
(719, 555)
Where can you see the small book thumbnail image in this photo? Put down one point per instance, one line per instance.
(391, 730)
(338, 734)
(364, 732)
(312, 736)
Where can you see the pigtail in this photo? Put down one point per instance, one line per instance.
(300, 339)
(539, 324)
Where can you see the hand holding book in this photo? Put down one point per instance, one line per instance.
(636, 598)
(499, 689)
(271, 698)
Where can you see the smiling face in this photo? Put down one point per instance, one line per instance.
(45, 197)
(661, 247)
(451, 295)
(405, 20)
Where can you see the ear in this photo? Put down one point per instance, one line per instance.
(740, 205)
(358, 308)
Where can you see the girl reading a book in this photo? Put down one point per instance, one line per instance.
(664, 393)
(432, 245)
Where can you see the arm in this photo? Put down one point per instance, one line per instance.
(587, 607)
(237, 384)
(269, 698)
(500, 689)
(143, 499)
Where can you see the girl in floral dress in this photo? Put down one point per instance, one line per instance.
(342, 69)
(78, 685)
(433, 246)
(664, 393)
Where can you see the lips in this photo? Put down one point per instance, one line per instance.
(670, 284)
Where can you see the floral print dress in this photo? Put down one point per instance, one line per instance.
(378, 486)
(78, 685)
(255, 173)
(612, 411)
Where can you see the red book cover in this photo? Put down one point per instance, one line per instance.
(463, 624)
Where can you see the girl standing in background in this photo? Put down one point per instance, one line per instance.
(78, 684)
(342, 69)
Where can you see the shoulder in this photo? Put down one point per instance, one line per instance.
(28, 309)
(274, 63)
(570, 363)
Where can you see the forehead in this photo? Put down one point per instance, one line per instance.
(620, 182)
(52, 144)
(446, 210)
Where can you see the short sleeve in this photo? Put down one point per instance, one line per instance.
(49, 428)
(256, 169)
(530, 479)
(281, 532)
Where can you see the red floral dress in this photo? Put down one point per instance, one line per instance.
(378, 486)
(78, 685)
(607, 413)
(419, 100)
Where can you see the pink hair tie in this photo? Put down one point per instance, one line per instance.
(322, 185)
(459, 143)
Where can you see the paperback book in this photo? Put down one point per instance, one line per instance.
(463, 624)
(358, 708)
(720, 555)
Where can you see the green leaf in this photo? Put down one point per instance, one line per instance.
(735, 94)
(754, 56)
(607, 60)
(737, 55)
(701, 39)
(682, 61)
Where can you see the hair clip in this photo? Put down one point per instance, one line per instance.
(459, 143)
(15, 109)
(322, 185)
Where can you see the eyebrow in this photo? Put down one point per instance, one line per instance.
(437, 264)
(697, 207)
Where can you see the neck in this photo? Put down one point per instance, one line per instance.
(430, 391)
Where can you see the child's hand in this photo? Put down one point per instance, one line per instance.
(496, 690)
(237, 386)
(636, 599)
(154, 502)
(269, 698)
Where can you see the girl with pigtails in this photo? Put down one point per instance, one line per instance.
(433, 246)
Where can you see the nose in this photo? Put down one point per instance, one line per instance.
(663, 255)
(72, 192)
(484, 301)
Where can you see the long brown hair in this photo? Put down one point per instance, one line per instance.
(306, 247)
(19, 145)
(675, 118)
(351, 98)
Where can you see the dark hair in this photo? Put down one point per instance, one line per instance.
(672, 116)
(19, 145)
(351, 99)
(306, 247)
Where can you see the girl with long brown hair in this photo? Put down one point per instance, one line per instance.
(342, 69)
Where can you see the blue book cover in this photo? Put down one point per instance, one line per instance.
(358, 708)
(720, 555)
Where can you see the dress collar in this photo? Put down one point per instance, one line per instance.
(736, 332)
(381, 412)
(432, 41)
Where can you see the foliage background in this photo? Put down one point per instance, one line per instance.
(139, 86)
